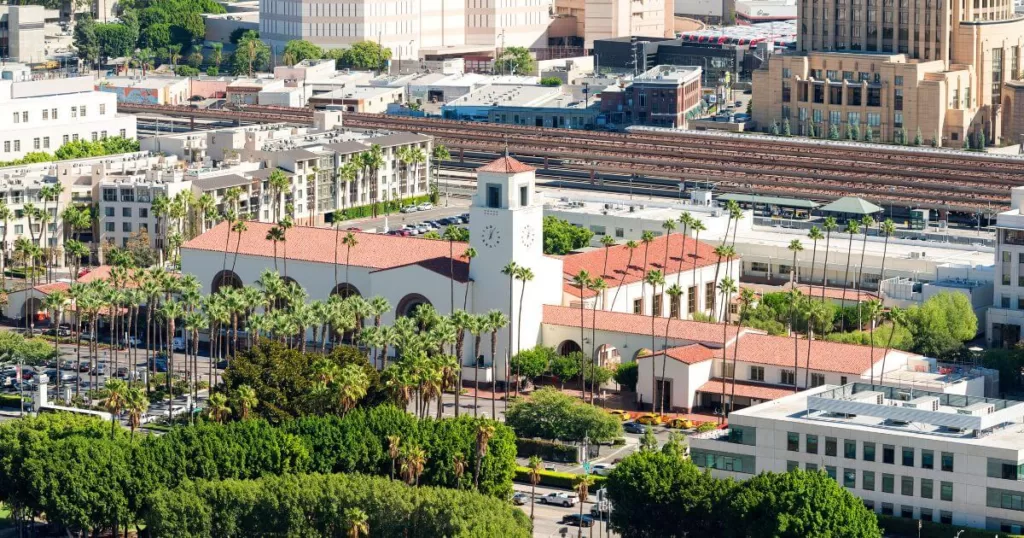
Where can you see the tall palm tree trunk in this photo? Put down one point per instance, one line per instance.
(846, 285)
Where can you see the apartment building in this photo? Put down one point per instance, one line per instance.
(895, 67)
(605, 19)
(408, 26)
(41, 115)
(949, 458)
(309, 157)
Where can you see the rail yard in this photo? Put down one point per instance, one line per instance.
(944, 180)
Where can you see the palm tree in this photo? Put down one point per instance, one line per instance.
(462, 321)
(533, 471)
(726, 288)
(239, 227)
(247, 401)
(136, 404)
(582, 487)
(439, 153)
(647, 237)
(510, 270)
(630, 246)
(170, 311)
(469, 254)
(451, 234)
(349, 241)
(55, 303)
(217, 56)
(898, 317)
(655, 279)
(357, 523)
(796, 247)
(278, 183)
(524, 275)
(351, 386)
(794, 298)
(5, 216)
(413, 461)
(608, 242)
(275, 234)
(285, 224)
(852, 228)
(373, 161)
(478, 326)
(484, 433)
(582, 281)
(674, 291)
(346, 174)
(873, 309)
(598, 286)
(698, 226)
(394, 450)
(495, 321)
(866, 222)
(686, 220)
(722, 251)
(830, 225)
(117, 392)
(74, 250)
(814, 235)
(888, 229)
(217, 409)
(747, 298)
(669, 226)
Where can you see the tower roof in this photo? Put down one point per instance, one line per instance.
(506, 165)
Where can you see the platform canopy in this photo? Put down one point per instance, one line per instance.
(851, 205)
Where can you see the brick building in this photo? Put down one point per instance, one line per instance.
(660, 97)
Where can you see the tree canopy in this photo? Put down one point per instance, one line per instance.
(514, 61)
(363, 55)
(298, 50)
(562, 237)
(942, 324)
(550, 414)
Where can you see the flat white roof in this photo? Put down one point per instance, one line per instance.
(507, 95)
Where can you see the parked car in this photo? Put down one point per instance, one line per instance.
(650, 419)
(634, 427)
(520, 498)
(680, 423)
(84, 367)
(425, 206)
(621, 415)
(410, 209)
(560, 499)
(577, 520)
(602, 469)
(178, 343)
(99, 369)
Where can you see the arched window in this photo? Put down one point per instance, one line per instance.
(225, 278)
(345, 290)
(407, 306)
(568, 347)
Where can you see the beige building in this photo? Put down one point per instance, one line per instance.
(605, 19)
(897, 65)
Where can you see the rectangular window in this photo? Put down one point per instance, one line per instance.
(849, 478)
(888, 454)
(831, 470)
(886, 509)
(126, 212)
(908, 456)
(74, 112)
(126, 227)
(850, 449)
(810, 467)
(831, 446)
(143, 213)
(46, 114)
(868, 480)
(46, 142)
(888, 483)
(493, 196)
(927, 459)
(947, 461)
(108, 211)
(812, 444)
(817, 380)
(709, 297)
(638, 306)
(673, 307)
(946, 491)
(907, 511)
(757, 373)
(945, 517)
(792, 465)
(793, 442)
(82, 110)
(7, 146)
(727, 372)
(907, 485)
(691, 299)
(109, 226)
(36, 143)
(17, 145)
(524, 196)
(65, 139)
(926, 514)
(103, 108)
(927, 485)
(787, 377)
(656, 306)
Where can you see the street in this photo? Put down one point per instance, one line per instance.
(547, 518)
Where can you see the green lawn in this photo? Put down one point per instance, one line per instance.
(5, 517)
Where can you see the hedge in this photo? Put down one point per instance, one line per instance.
(361, 211)
(547, 450)
(11, 400)
(316, 505)
(907, 528)
(555, 479)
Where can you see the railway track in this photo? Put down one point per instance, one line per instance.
(915, 177)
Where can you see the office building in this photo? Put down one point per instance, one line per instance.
(1006, 314)
(605, 19)
(936, 455)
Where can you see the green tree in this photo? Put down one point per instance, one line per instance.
(918, 139)
(562, 237)
(550, 414)
(627, 374)
(532, 363)
(298, 50)
(157, 36)
(564, 367)
(798, 504)
(551, 81)
(786, 130)
(84, 39)
(115, 39)
(833, 132)
(514, 61)
(656, 495)
(365, 55)
(942, 324)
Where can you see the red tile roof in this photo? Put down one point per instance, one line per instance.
(825, 356)
(47, 289)
(618, 256)
(691, 354)
(694, 331)
(835, 293)
(373, 251)
(506, 165)
(746, 390)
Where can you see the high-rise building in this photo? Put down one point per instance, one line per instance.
(408, 27)
(605, 19)
(895, 68)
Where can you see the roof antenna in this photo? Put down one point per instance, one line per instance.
(506, 145)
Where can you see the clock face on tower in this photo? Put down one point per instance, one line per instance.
(529, 236)
(490, 236)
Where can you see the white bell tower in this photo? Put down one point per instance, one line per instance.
(506, 221)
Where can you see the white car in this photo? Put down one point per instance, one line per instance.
(602, 469)
(178, 343)
(425, 206)
(410, 209)
(560, 499)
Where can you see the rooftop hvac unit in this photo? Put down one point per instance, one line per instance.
(977, 409)
(632, 209)
(927, 403)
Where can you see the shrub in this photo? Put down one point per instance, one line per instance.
(556, 479)
(316, 505)
(548, 450)
(10, 400)
(706, 427)
(550, 414)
